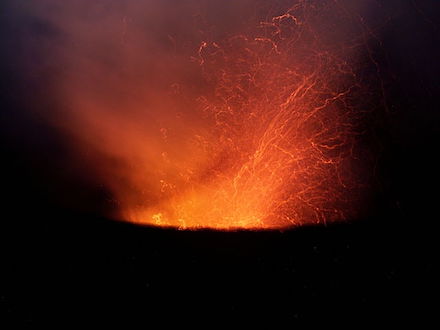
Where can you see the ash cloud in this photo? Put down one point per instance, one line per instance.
(88, 85)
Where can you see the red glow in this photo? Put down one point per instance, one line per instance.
(254, 127)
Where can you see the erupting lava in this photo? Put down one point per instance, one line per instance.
(256, 126)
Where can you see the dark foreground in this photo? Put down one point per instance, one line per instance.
(76, 269)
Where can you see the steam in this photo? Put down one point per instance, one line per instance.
(152, 102)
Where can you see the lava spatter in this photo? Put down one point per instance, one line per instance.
(257, 126)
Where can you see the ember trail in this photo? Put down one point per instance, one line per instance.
(256, 128)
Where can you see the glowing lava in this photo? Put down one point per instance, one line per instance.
(256, 128)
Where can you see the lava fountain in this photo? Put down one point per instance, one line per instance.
(193, 123)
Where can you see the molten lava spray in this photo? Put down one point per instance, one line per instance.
(210, 114)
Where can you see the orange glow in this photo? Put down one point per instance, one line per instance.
(255, 126)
